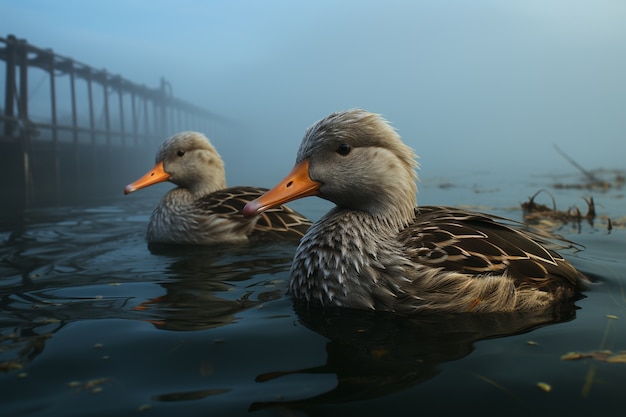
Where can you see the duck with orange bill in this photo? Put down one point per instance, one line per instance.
(376, 249)
(202, 210)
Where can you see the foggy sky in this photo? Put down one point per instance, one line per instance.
(472, 86)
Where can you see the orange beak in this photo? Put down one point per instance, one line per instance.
(155, 176)
(296, 185)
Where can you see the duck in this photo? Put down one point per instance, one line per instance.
(202, 210)
(376, 249)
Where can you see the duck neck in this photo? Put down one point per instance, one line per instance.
(393, 206)
(209, 185)
(391, 219)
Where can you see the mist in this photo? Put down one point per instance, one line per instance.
(472, 86)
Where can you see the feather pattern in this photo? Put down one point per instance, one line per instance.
(377, 250)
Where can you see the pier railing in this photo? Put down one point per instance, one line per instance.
(62, 120)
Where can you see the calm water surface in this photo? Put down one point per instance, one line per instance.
(92, 323)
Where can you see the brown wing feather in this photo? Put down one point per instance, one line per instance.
(278, 223)
(476, 244)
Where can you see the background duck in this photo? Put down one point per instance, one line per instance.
(202, 210)
(377, 250)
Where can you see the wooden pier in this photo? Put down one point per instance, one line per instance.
(79, 138)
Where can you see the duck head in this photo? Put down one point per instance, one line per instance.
(188, 160)
(354, 159)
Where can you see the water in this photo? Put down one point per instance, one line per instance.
(93, 323)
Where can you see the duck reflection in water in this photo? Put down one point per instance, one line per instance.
(373, 354)
(204, 289)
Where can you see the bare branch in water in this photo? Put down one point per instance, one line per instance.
(588, 174)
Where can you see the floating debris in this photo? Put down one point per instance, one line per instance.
(550, 218)
(93, 385)
(47, 320)
(599, 355)
(619, 357)
(544, 217)
(144, 407)
(544, 386)
(379, 353)
(10, 366)
(619, 223)
(534, 211)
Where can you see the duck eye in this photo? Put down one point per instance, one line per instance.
(344, 149)
(180, 153)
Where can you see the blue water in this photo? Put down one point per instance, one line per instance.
(92, 323)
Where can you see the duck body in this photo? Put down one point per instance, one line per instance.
(376, 250)
(201, 210)
(182, 218)
(445, 260)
